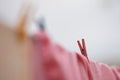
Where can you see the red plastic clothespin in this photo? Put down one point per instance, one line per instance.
(83, 48)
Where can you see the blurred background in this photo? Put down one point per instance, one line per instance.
(98, 21)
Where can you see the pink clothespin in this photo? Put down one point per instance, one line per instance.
(83, 48)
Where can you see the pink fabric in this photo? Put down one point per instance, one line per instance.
(55, 63)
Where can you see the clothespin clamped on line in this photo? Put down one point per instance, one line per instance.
(83, 48)
(22, 23)
(41, 23)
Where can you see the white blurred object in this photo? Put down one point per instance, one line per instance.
(15, 55)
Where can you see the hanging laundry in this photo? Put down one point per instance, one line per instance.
(15, 52)
(56, 63)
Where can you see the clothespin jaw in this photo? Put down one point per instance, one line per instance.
(83, 48)
(22, 24)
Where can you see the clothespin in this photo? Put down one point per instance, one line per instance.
(22, 24)
(41, 23)
(83, 48)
